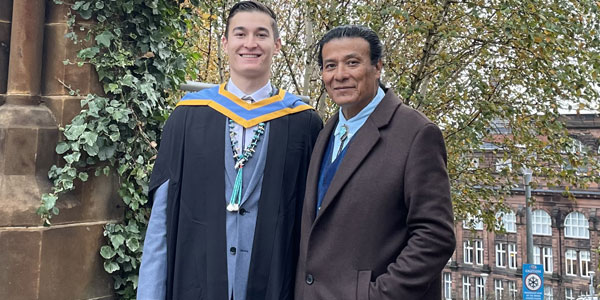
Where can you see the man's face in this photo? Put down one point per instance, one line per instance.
(250, 45)
(350, 78)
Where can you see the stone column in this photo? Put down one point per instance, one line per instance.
(5, 19)
(25, 65)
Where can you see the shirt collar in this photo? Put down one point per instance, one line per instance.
(355, 123)
(260, 94)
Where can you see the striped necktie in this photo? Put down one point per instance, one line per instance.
(343, 138)
(248, 99)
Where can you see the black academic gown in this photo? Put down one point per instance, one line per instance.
(191, 157)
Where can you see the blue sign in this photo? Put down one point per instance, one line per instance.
(533, 282)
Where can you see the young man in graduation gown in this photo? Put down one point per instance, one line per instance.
(229, 179)
(377, 221)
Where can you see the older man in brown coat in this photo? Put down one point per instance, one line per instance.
(377, 220)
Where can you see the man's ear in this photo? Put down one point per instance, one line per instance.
(378, 67)
(277, 46)
(224, 42)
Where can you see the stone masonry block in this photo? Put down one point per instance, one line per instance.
(95, 200)
(19, 264)
(19, 198)
(28, 135)
(45, 154)
(56, 74)
(20, 149)
(64, 108)
(71, 265)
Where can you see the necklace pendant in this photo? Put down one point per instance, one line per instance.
(233, 207)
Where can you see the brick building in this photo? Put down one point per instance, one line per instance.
(565, 238)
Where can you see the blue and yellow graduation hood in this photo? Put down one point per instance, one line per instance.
(243, 113)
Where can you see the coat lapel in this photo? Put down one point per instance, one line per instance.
(312, 181)
(359, 148)
(268, 208)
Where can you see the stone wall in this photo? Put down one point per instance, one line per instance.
(61, 261)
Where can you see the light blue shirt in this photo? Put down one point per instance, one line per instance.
(354, 123)
(152, 280)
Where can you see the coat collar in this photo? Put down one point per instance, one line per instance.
(365, 139)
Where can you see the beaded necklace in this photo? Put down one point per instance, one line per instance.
(240, 161)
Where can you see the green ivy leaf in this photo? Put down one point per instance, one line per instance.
(107, 252)
(104, 38)
(88, 53)
(107, 151)
(111, 266)
(83, 176)
(128, 80)
(132, 227)
(72, 132)
(62, 147)
(49, 200)
(89, 138)
(73, 157)
(133, 244)
(91, 150)
(117, 240)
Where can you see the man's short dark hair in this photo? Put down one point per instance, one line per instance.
(252, 6)
(353, 31)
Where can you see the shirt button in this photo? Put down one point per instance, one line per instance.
(309, 279)
(243, 211)
(232, 250)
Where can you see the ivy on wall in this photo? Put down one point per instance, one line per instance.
(139, 52)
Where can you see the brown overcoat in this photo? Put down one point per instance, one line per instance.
(385, 228)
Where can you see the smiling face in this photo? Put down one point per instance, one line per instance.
(350, 78)
(251, 44)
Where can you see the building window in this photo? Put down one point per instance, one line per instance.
(576, 147)
(548, 266)
(512, 255)
(474, 223)
(479, 252)
(548, 293)
(448, 286)
(500, 255)
(584, 263)
(537, 257)
(498, 289)
(473, 164)
(506, 220)
(577, 226)
(569, 294)
(466, 288)
(571, 262)
(543, 256)
(542, 225)
(479, 288)
(502, 165)
(512, 290)
(468, 252)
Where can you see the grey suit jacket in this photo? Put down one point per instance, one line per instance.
(385, 228)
